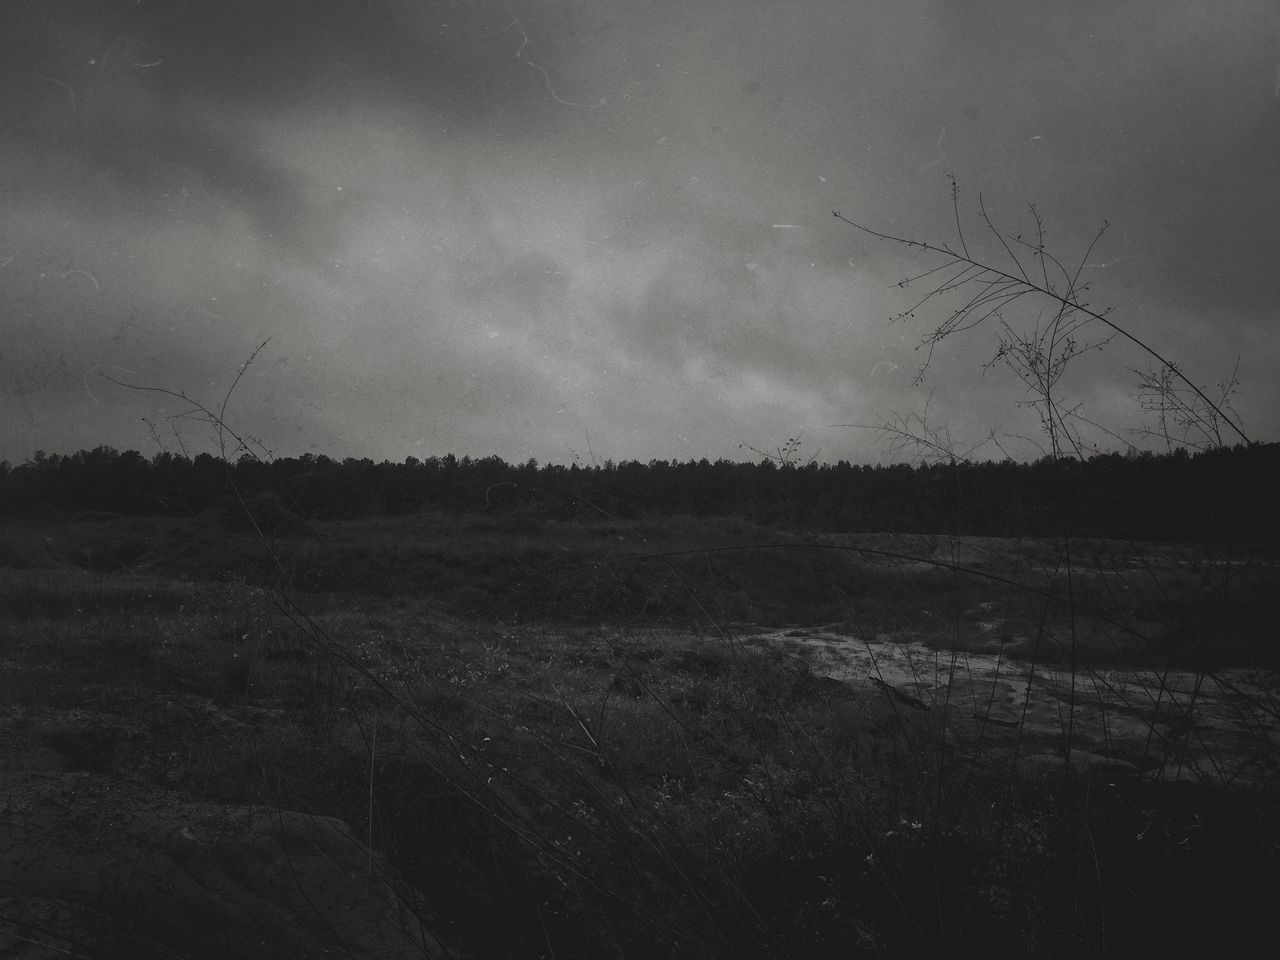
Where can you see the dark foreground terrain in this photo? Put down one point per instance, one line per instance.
(496, 737)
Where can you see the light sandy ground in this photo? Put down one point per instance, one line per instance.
(1222, 727)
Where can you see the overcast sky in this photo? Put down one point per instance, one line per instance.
(602, 228)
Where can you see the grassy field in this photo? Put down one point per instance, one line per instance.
(597, 739)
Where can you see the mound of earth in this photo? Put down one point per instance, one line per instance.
(94, 865)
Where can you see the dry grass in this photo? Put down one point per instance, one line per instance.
(634, 786)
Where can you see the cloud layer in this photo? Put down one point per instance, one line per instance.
(559, 229)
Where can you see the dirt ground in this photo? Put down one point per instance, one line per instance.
(1216, 728)
(98, 863)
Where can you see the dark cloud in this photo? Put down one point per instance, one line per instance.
(453, 57)
(134, 101)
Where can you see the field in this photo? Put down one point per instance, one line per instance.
(499, 736)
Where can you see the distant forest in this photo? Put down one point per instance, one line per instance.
(1223, 495)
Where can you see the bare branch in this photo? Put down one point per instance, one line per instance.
(197, 410)
(1004, 287)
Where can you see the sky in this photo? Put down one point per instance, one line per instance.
(578, 230)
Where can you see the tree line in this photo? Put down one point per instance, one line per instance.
(1223, 494)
